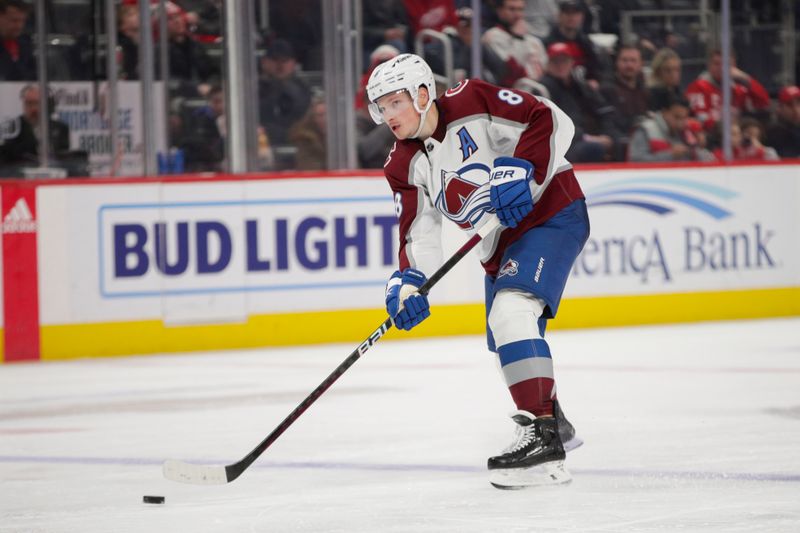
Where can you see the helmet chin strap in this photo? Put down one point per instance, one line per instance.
(423, 114)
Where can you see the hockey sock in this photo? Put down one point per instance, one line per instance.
(523, 353)
(528, 371)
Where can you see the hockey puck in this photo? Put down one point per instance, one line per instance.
(153, 499)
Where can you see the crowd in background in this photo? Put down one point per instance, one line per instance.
(631, 97)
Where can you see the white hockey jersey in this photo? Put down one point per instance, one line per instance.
(448, 175)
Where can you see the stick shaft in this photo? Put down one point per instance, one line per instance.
(234, 470)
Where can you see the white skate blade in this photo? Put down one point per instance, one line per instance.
(574, 442)
(552, 473)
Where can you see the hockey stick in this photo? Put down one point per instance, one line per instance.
(218, 475)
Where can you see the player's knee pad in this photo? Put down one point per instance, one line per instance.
(514, 316)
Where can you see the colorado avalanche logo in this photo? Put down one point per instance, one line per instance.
(464, 196)
(509, 269)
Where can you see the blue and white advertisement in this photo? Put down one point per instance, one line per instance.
(681, 230)
(221, 250)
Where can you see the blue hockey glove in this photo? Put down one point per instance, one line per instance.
(509, 191)
(404, 304)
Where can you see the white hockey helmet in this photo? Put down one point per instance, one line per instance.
(406, 72)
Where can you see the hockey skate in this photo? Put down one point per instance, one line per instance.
(536, 457)
(565, 430)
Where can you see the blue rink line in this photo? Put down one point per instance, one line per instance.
(390, 467)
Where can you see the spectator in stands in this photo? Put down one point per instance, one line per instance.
(541, 15)
(266, 157)
(384, 52)
(204, 18)
(569, 30)
(188, 61)
(746, 142)
(460, 37)
(179, 115)
(300, 22)
(627, 93)
(595, 134)
(310, 135)
(203, 141)
(663, 136)
(17, 62)
(430, 14)
(384, 22)
(523, 54)
(705, 93)
(665, 74)
(374, 141)
(696, 136)
(753, 135)
(128, 41)
(784, 131)
(22, 149)
(283, 97)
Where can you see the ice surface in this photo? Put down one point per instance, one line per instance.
(687, 428)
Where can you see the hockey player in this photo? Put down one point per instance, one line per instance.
(476, 152)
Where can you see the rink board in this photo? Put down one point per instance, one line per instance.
(143, 266)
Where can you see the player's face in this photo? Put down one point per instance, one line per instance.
(399, 114)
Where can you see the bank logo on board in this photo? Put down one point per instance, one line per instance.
(663, 196)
